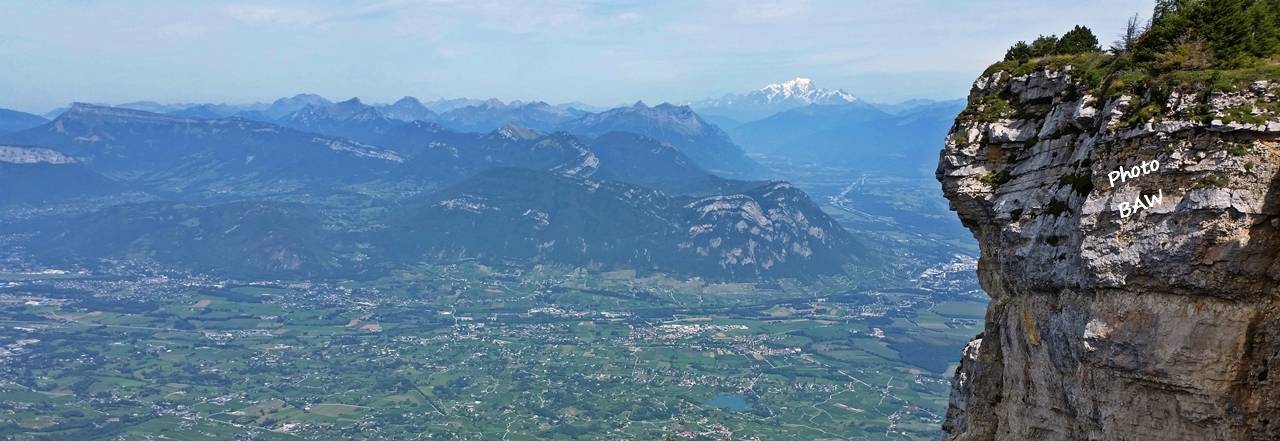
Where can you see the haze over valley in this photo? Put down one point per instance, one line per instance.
(577, 220)
(437, 205)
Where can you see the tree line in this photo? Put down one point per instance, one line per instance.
(1180, 35)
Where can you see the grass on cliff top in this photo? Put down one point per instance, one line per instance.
(1108, 76)
(1080, 62)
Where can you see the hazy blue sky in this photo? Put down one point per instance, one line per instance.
(57, 51)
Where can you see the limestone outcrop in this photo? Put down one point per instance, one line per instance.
(1153, 323)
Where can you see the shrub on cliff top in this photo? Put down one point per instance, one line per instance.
(1227, 33)
(1078, 40)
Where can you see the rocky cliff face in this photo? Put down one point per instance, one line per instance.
(1161, 325)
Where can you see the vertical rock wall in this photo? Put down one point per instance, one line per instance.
(1162, 325)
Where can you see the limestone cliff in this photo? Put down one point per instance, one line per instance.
(1162, 325)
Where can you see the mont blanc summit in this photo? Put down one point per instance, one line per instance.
(771, 99)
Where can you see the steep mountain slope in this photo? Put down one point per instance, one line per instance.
(446, 156)
(1141, 309)
(508, 214)
(180, 153)
(14, 121)
(242, 239)
(638, 159)
(416, 137)
(771, 99)
(439, 156)
(31, 175)
(704, 143)
(774, 229)
(521, 214)
(450, 156)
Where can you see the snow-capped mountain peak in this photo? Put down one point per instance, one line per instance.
(793, 87)
(802, 89)
(773, 98)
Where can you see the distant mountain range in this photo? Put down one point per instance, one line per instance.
(703, 142)
(679, 126)
(350, 119)
(771, 99)
(793, 119)
(491, 114)
(180, 154)
(304, 186)
(408, 109)
(914, 104)
(13, 121)
(797, 120)
(854, 134)
(342, 188)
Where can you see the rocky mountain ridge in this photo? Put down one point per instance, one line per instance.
(703, 142)
(32, 155)
(192, 192)
(767, 228)
(1157, 325)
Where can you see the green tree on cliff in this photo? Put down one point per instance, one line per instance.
(1020, 51)
(1044, 46)
(1078, 40)
(1229, 33)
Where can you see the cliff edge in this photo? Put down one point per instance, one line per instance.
(1138, 305)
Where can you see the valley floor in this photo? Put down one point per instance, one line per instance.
(471, 352)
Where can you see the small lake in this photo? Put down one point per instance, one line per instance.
(729, 401)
